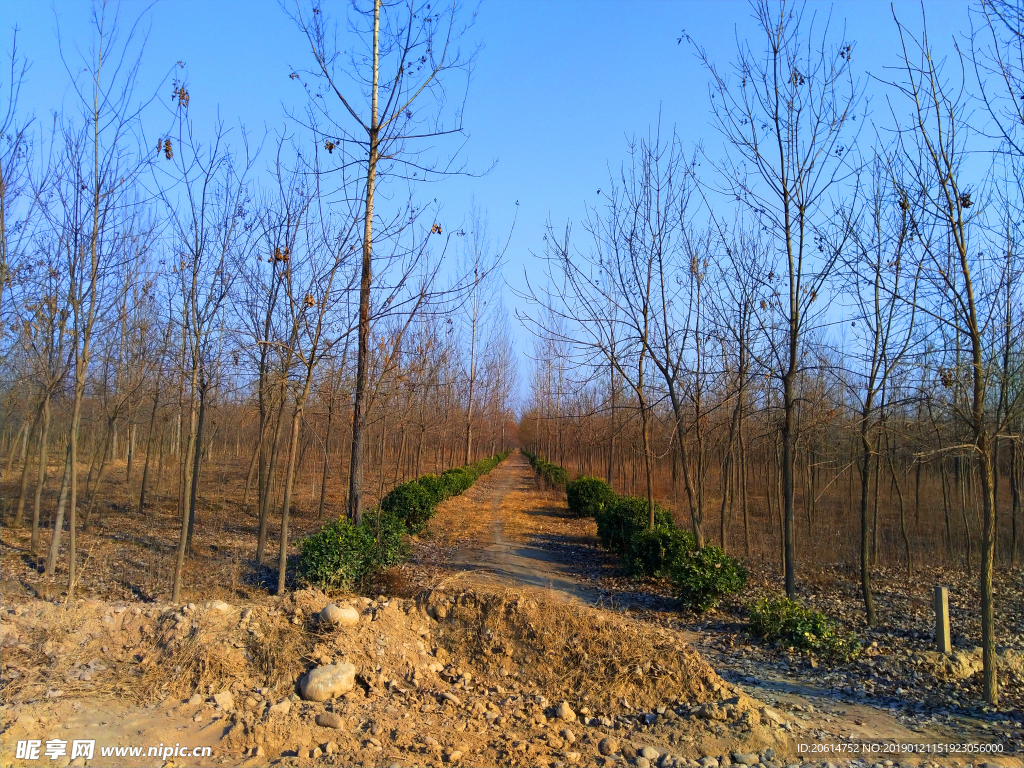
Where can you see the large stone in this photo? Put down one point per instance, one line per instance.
(745, 758)
(326, 682)
(607, 746)
(329, 720)
(564, 712)
(962, 665)
(1012, 661)
(224, 700)
(281, 708)
(338, 616)
(650, 753)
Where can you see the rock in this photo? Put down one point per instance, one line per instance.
(196, 700)
(224, 700)
(642, 762)
(330, 748)
(767, 755)
(568, 735)
(452, 698)
(281, 708)
(539, 718)
(708, 762)
(572, 757)
(326, 682)
(745, 758)
(431, 742)
(564, 712)
(454, 756)
(338, 616)
(329, 720)
(607, 746)
(650, 753)
(218, 606)
(1011, 661)
(961, 665)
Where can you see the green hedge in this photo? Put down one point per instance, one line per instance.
(786, 620)
(341, 555)
(651, 553)
(415, 501)
(701, 577)
(588, 496)
(626, 517)
(552, 474)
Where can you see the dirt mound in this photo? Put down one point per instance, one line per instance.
(566, 650)
(469, 677)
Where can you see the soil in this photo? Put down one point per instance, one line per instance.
(509, 638)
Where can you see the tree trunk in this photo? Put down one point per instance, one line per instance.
(282, 558)
(44, 434)
(1015, 499)
(355, 493)
(988, 551)
(197, 457)
(149, 442)
(327, 458)
(788, 459)
(23, 489)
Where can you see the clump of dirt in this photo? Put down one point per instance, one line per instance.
(471, 677)
(567, 649)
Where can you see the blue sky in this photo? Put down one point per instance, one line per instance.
(558, 87)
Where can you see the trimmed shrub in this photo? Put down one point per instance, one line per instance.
(786, 620)
(388, 535)
(651, 553)
(588, 496)
(705, 576)
(553, 475)
(625, 518)
(431, 484)
(341, 554)
(455, 481)
(410, 502)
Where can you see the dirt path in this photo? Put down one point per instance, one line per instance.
(522, 537)
(514, 499)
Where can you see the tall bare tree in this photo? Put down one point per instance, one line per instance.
(409, 47)
(787, 114)
(95, 213)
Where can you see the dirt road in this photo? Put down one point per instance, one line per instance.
(522, 537)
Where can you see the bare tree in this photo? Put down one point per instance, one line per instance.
(787, 114)
(960, 278)
(416, 44)
(207, 203)
(94, 213)
(883, 281)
